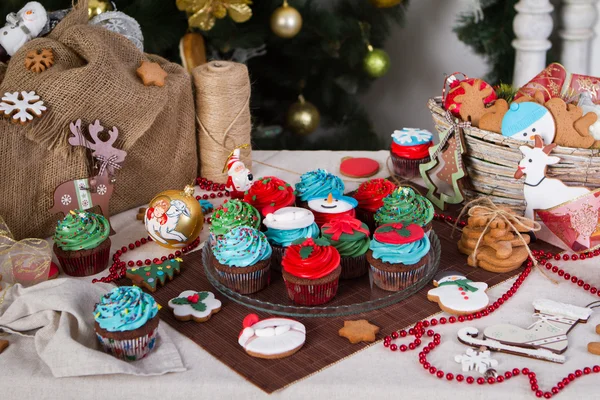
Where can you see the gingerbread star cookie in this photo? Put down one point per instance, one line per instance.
(152, 74)
(192, 305)
(359, 331)
(3, 345)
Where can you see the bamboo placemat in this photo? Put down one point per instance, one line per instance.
(323, 346)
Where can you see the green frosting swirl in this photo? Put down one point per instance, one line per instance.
(404, 205)
(81, 230)
(350, 245)
(232, 214)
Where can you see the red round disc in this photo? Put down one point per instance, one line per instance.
(360, 167)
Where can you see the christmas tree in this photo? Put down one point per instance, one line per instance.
(334, 57)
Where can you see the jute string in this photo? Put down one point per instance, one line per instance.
(485, 207)
(223, 115)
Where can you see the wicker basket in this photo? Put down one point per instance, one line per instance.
(491, 161)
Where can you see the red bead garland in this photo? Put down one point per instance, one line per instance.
(419, 329)
(210, 186)
(118, 268)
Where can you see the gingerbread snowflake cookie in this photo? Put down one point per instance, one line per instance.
(192, 305)
(272, 337)
(22, 107)
(39, 60)
(458, 295)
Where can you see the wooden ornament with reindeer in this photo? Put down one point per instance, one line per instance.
(96, 190)
(541, 192)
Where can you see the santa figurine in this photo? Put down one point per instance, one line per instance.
(21, 27)
(239, 178)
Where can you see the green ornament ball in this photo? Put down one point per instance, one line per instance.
(376, 63)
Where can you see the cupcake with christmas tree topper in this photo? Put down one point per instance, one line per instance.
(285, 226)
(351, 239)
(370, 195)
(331, 206)
(410, 148)
(242, 260)
(398, 255)
(270, 191)
(231, 214)
(81, 243)
(406, 206)
(127, 323)
(317, 183)
(311, 271)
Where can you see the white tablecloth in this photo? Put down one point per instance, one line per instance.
(374, 372)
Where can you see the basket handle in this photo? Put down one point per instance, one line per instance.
(447, 79)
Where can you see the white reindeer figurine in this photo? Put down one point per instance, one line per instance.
(540, 191)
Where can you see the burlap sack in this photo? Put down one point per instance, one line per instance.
(94, 78)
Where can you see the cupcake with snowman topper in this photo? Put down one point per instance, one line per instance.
(286, 225)
(409, 149)
(317, 183)
(331, 206)
(525, 120)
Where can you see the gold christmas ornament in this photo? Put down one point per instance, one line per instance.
(385, 3)
(286, 21)
(303, 117)
(174, 218)
(202, 14)
(96, 7)
(376, 63)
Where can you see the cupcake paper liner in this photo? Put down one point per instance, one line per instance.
(277, 257)
(311, 295)
(395, 281)
(368, 217)
(407, 168)
(129, 349)
(247, 283)
(354, 267)
(91, 264)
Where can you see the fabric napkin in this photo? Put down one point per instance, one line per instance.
(58, 315)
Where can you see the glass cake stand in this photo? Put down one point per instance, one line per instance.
(354, 296)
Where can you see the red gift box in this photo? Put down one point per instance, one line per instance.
(556, 81)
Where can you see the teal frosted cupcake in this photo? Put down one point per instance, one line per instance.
(231, 214)
(81, 243)
(398, 255)
(406, 206)
(242, 259)
(351, 239)
(317, 183)
(285, 226)
(127, 323)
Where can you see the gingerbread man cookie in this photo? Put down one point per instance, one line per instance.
(458, 295)
(192, 305)
(272, 337)
(492, 119)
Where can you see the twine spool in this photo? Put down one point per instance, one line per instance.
(223, 115)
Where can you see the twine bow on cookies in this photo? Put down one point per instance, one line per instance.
(486, 209)
(26, 261)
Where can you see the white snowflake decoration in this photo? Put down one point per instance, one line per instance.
(476, 360)
(101, 189)
(22, 107)
(65, 199)
(406, 135)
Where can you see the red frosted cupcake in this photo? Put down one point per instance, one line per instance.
(270, 192)
(370, 195)
(410, 149)
(311, 271)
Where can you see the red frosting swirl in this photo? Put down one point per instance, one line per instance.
(310, 260)
(270, 191)
(370, 194)
(412, 152)
(324, 218)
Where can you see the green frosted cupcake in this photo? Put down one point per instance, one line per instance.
(231, 214)
(406, 206)
(351, 239)
(81, 243)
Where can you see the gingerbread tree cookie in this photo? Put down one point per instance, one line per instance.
(500, 249)
(151, 275)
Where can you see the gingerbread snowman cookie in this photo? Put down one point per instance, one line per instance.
(272, 337)
(192, 305)
(458, 295)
